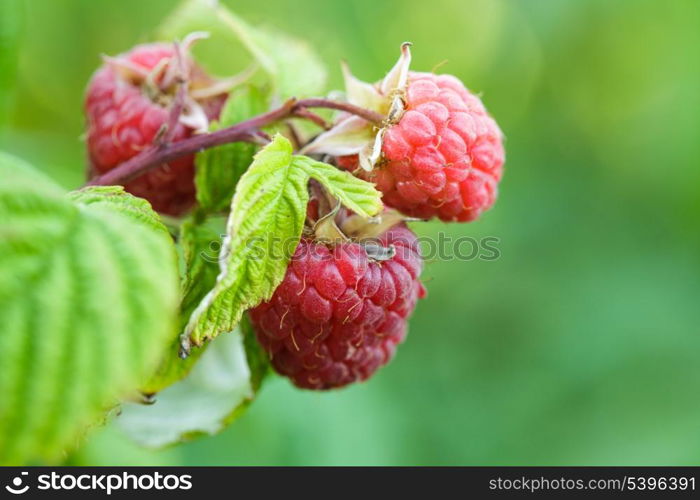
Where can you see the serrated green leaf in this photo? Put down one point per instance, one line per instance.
(267, 213)
(114, 198)
(218, 169)
(264, 227)
(89, 297)
(21, 243)
(201, 244)
(293, 66)
(359, 196)
(200, 241)
(219, 388)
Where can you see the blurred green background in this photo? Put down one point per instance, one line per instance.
(580, 344)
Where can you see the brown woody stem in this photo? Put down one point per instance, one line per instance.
(245, 131)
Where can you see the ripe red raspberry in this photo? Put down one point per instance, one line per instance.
(338, 315)
(123, 117)
(444, 157)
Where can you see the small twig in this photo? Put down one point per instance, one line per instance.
(320, 195)
(367, 114)
(260, 137)
(155, 156)
(245, 131)
(293, 135)
(312, 117)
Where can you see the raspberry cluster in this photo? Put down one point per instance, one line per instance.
(342, 308)
(338, 315)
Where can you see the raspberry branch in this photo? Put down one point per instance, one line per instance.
(245, 131)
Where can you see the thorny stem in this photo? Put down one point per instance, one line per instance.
(245, 131)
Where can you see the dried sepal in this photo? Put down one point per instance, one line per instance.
(360, 228)
(349, 136)
(397, 78)
(194, 117)
(363, 94)
(354, 135)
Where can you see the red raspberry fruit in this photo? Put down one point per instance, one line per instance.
(338, 315)
(444, 157)
(123, 118)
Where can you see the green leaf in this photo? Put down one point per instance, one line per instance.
(360, 197)
(267, 212)
(243, 103)
(294, 68)
(200, 241)
(264, 227)
(219, 388)
(89, 296)
(114, 198)
(218, 169)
